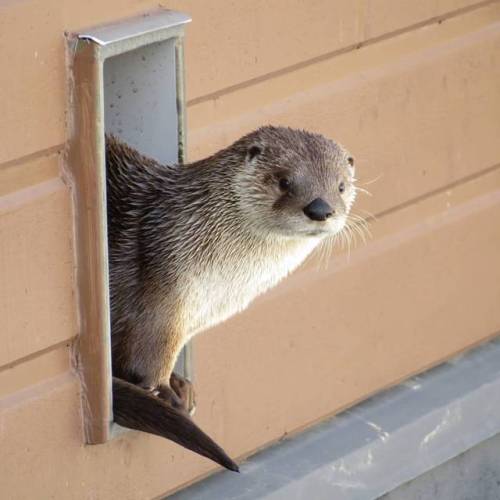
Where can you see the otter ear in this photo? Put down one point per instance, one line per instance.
(352, 168)
(253, 151)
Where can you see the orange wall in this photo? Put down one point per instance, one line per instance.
(410, 87)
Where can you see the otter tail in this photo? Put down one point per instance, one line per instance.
(138, 409)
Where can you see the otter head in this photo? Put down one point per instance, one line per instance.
(295, 183)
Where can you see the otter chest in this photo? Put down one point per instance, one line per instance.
(218, 292)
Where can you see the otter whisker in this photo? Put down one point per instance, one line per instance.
(362, 190)
(352, 228)
(358, 226)
(372, 181)
(360, 230)
(347, 234)
(322, 255)
(329, 249)
(325, 254)
(331, 246)
(367, 217)
(364, 221)
(345, 240)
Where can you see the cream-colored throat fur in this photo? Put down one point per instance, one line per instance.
(220, 291)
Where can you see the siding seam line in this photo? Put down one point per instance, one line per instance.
(37, 354)
(429, 194)
(42, 153)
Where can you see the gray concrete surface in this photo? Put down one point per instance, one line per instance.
(472, 475)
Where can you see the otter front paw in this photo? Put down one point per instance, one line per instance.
(179, 394)
(185, 390)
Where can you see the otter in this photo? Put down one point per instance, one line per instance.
(192, 245)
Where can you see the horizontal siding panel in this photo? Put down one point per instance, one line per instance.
(32, 80)
(228, 43)
(41, 440)
(413, 296)
(418, 112)
(37, 305)
(31, 371)
(20, 176)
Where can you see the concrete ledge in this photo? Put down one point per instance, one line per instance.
(472, 475)
(379, 444)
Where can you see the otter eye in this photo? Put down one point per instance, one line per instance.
(284, 184)
(341, 187)
(350, 160)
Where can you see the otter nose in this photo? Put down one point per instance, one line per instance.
(318, 209)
